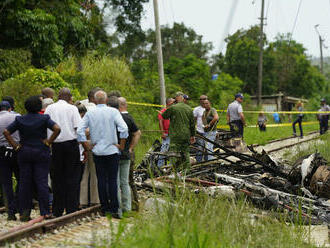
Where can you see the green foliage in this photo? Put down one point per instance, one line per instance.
(104, 72)
(292, 71)
(30, 83)
(223, 90)
(179, 41)
(38, 29)
(190, 73)
(189, 220)
(50, 28)
(13, 62)
(286, 67)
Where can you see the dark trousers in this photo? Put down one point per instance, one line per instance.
(237, 126)
(8, 167)
(299, 121)
(34, 168)
(323, 125)
(262, 127)
(107, 173)
(65, 175)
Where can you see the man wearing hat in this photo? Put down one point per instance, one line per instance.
(185, 99)
(323, 117)
(8, 159)
(182, 130)
(235, 116)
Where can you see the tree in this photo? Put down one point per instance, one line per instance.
(50, 29)
(241, 60)
(177, 41)
(292, 70)
(286, 67)
(223, 89)
(190, 73)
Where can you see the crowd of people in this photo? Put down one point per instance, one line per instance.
(73, 155)
(177, 125)
(67, 155)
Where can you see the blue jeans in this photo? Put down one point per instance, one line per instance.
(107, 173)
(299, 121)
(164, 148)
(209, 146)
(124, 190)
(200, 146)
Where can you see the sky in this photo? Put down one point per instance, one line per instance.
(209, 18)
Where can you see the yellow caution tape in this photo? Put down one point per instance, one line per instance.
(279, 112)
(146, 104)
(276, 125)
(248, 111)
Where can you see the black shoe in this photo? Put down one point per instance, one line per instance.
(24, 218)
(49, 217)
(115, 216)
(11, 217)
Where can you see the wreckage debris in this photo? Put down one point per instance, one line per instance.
(269, 184)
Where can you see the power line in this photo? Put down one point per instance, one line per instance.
(295, 21)
(228, 23)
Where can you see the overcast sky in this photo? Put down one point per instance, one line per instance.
(209, 18)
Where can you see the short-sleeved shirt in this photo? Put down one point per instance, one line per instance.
(276, 117)
(324, 108)
(198, 114)
(7, 118)
(32, 129)
(234, 109)
(166, 123)
(262, 120)
(300, 109)
(132, 128)
(67, 117)
(208, 117)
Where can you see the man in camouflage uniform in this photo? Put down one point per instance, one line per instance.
(182, 130)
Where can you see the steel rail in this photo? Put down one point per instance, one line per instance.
(31, 229)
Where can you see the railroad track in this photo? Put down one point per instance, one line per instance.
(280, 144)
(38, 226)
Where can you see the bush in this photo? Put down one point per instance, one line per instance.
(14, 62)
(30, 83)
(104, 72)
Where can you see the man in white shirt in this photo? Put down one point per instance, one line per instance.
(65, 155)
(198, 114)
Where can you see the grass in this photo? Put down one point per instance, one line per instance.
(254, 136)
(190, 220)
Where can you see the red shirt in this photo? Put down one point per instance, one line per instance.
(166, 123)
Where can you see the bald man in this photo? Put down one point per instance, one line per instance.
(103, 123)
(125, 169)
(65, 168)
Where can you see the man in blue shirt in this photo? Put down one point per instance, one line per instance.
(103, 123)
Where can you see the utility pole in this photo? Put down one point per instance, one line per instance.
(261, 46)
(159, 55)
(321, 54)
(321, 47)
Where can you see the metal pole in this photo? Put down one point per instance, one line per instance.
(261, 45)
(321, 53)
(159, 55)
